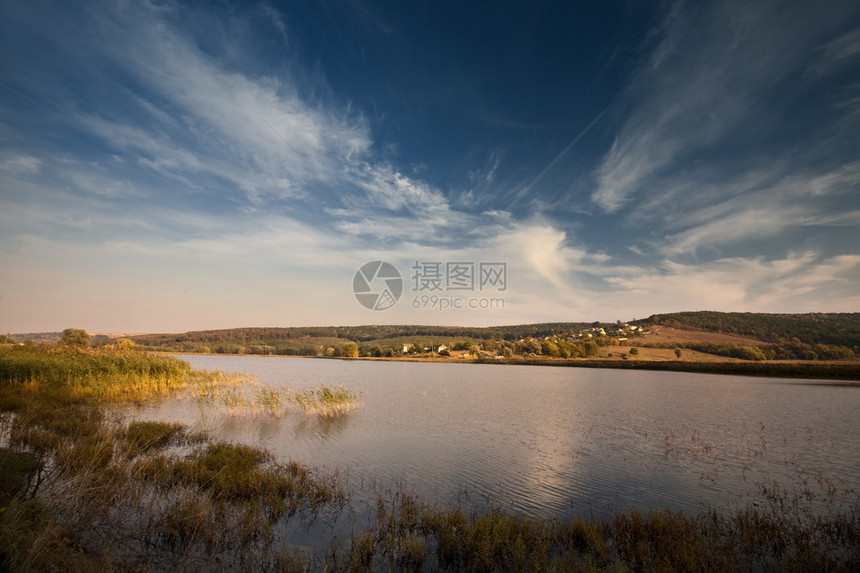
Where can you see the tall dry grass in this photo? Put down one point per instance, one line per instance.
(82, 492)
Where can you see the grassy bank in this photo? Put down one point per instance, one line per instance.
(82, 492)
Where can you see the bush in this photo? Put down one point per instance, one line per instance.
(75, 337)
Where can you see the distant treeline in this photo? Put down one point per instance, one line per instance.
(366, 333)
(839, 329)
(813, 336)
(788, 336)
(311, 341)
(37, 337)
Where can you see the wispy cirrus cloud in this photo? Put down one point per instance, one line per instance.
(17, 164)
(742, 284)
(237, 153)
(206, 127)
(708, 90)
(256, 133)
(759, 204)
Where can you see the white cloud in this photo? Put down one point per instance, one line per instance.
(758, 205)
(390, 189)
(265, 139)
(838, 52)
(482, 178)
(540, 249)
(738, 226)
(277, 20)
(703, 86)
(503, 217)
(801, 282)
(99, 184)
(16, 164)
(255, 132)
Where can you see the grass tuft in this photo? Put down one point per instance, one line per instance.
(326, 401)
(145, 436)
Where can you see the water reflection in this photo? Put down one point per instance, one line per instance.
(321, 428)
(553, 442)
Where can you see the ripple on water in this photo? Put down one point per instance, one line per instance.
(553, 442)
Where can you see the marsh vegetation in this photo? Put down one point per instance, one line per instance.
(83, 489)
(240, 395)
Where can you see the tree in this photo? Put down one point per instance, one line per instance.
(75, 337)
(634, 351)
(549, 348)
(590, 348)
(533, 347)
(349, 350)
(677, 353)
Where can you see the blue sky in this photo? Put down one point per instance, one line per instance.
(173, 166)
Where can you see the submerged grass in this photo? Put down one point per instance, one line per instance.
(242, 395)
(410, 536)
(146, 436)
(326, 401)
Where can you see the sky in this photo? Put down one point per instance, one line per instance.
(172, 166)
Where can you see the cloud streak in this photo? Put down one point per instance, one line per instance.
(705, 89)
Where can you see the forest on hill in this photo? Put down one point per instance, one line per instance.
(841, 329)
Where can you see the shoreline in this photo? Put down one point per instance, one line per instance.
(815, 370)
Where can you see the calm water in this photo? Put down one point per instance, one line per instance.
(552, 442)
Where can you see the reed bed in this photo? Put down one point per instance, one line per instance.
(75, 374)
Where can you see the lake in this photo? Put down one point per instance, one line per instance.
(551, 442)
